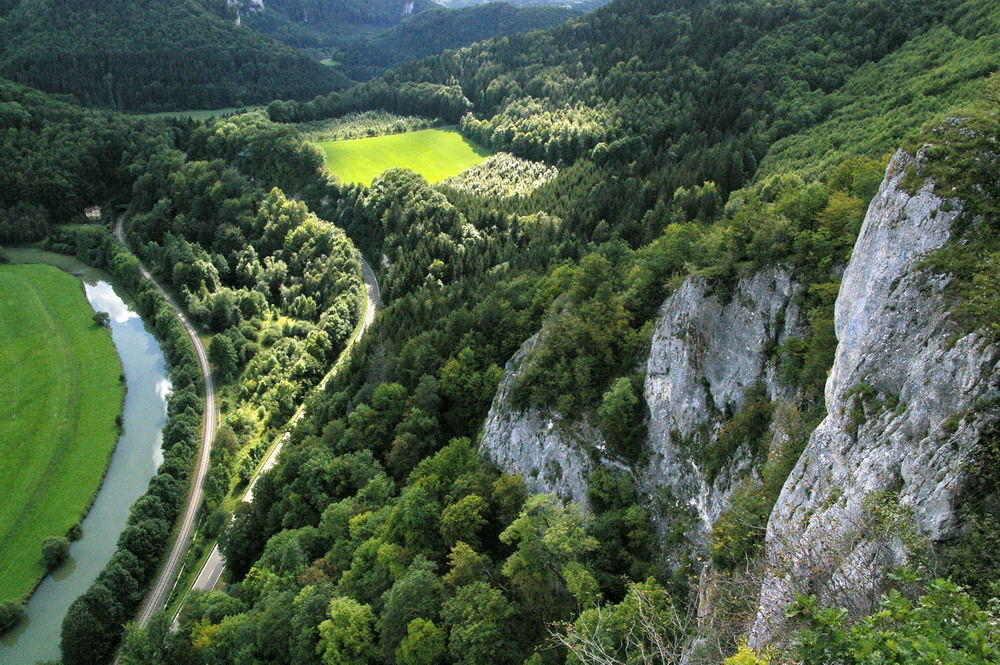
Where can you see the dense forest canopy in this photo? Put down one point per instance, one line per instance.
(385, 12)
(437, 30)
(364, 40)
(143, 55)
(200, 54)
(660, 118)
(575, 4)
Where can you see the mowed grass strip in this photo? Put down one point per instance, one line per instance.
(59, 396)
(435, 154)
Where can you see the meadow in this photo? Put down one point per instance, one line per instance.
(60, 395)
(435, 154)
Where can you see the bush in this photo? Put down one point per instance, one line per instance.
(54, 551)
(621, 416)
(746, 656)
(749, 427)
(10, 613)
(944, 626)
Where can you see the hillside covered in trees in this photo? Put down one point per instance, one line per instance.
(365, 40)
(138, 55)
(685, 147)
(691, 139)
(575, 4)
(437, 30)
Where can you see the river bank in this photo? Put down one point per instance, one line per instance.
(134, 461)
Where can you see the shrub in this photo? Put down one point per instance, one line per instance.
(944, 626)
(748, 427)
(54, 551)
(10, 613)
(746, 656)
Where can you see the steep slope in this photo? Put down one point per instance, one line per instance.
(575, 4)
(905, 411)
(706, 357)
(380, 12)
(144, 55)
(325, 23)
(910, 399)
(439, 29)
(362, 41)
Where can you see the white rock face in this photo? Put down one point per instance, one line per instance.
(896, 344)
(245, 6)
(704, 358)
(547, 451)
(903, 382)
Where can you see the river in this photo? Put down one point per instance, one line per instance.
(133, 463)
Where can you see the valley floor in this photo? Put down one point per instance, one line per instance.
(59, 393)
(435, 154)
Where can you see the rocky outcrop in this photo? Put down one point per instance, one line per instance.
(881, 475)
(707, 352)
(243, 7)
(889, 456)
(705, 356)
(550, 453)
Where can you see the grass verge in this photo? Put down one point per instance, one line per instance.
(60, 394)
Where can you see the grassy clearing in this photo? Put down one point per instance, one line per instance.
(435, 154)
(59, 395)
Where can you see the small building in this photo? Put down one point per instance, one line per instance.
(93, 213)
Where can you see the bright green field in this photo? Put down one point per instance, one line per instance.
(59, 395)
(435, 154)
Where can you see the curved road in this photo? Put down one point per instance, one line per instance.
(157, 597)
(210, 573)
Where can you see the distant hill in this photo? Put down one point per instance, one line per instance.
(439, 29)
(150, 54)
(320, 23)
(384, 12)
(364, 38)
(573, 4)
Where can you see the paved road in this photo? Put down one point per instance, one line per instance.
(157, 597)
(210, 573)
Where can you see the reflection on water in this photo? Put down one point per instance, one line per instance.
(134, 462)
(103, 298)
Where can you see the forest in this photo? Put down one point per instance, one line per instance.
(202, 54)
(670, 140)
(660, 175)
(144, 56)
(437, 30)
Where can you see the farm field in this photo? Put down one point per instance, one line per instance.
(435, 154)
(59, 395)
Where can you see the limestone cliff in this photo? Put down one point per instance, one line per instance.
(900, 421)
(903, 400)
(706, 354)
(550, 453)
